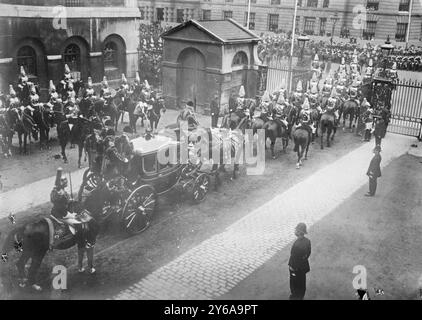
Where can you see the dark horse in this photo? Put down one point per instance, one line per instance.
(81, 130)
(35, 237)
(276, 129)
(44, 120)
(350, 108)
(63, 127)
(24, 126)
(327, 124)
(302, 140)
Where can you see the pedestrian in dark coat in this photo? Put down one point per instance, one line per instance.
(215, 111)
(379, 131)
(374, 172)
(298, 263)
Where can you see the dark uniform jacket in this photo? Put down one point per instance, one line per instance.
(301, 250)
(60, 199)
(215, 111)
(232, 104)
(374, 167)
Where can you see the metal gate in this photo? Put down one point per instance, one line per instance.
(406, 109)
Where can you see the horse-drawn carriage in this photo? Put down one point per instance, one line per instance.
(138, 181)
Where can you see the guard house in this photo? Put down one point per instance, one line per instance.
(203, 58)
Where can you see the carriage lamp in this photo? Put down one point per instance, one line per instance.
(302, 42)
(387, 47)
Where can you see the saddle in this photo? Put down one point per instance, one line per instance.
(62, 230)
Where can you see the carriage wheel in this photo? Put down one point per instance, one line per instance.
(139, 209)
(89, 183)
(200, 188)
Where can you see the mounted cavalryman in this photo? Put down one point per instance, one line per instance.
(34, 98)
(53, 96)
(105, 92)
(298, 95)
(13, 101)
(332, 104)
(305, 118)
(89, 91)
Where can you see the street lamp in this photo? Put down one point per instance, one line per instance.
(302, 42)
(387, 47)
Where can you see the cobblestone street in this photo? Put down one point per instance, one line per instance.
(218, 264)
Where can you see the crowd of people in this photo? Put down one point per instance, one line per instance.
(278, 46)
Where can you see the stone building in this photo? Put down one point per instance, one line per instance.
(315, 17)
(94, 37)
(203, 58)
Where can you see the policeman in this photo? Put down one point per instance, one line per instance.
(59, 196)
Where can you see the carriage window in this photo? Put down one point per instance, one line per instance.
(27, 58)
(72, 57)
(150, 163)
(167, 165)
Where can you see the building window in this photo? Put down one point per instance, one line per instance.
(275, 2)
(179, 15)
(372, 5)
(299, 3)
(273, 22)
(206, 14)
(110, 56)
(240, 59)
(229, 0)
(73, 3)
(312, 3)
(160, 14)
(326, 3)
(227, 14)
(72, 57)
(369, 31)
(251, 20)
(309, 26)
(27, 58)
(297, 24)
(404, 5)
(401, 31)
(322, 26)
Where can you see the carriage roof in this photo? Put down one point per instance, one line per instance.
(153, 145)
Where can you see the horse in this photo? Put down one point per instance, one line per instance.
(81, 130)
(63, 128)
(35, 236)
(25, 126)
(44, 121)
(350, 108)
(327, 124)
(222, 142)
(154, 114)
(110, 109)
(302, 140)
(276, 129)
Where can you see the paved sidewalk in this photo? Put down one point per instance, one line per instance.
(218, 264)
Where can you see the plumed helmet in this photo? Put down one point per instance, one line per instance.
(316, 58)
(104, 82)
(281, 99)
(394, 66)
(306, 104)
(90, 82)
(371, 63)
(314, 89)
(266, 97)
(22, 71)
(242, 92)
(342, 60)
(314, 78)
(333, 93)
(70, 86)
(137, 78)
(12, 91)
(124, 80)
(66, 69)
(146, 84)
(299, 87)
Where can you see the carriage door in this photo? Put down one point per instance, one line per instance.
(191, 77)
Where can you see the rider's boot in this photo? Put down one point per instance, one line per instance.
(81, 253)
(90, 256)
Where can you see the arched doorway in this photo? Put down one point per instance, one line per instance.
(114, 55)
(75, 55)
(27, 58)
(239, 71)
(191, 80)
(72, 57)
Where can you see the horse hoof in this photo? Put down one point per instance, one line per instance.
(297, 166)
(36, 287)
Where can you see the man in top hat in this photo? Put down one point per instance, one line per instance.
(374, 171)
(13, 101)
(299, 263)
